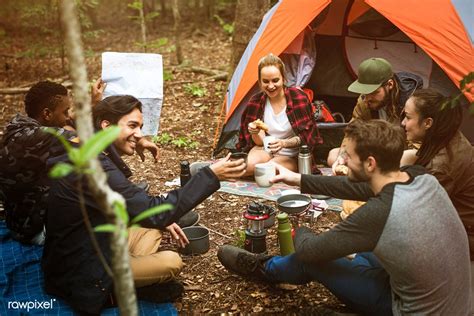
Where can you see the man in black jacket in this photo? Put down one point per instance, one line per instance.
(71, 266)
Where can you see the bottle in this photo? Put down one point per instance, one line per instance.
(284, 235)
(185, 173)
(304, 160)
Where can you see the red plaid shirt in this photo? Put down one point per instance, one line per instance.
(298, 110)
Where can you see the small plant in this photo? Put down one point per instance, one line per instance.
(163, 139)
(195, 90)
(239, 238)
(180, 142)
(167, 75)
(228, 28)
(184, 142)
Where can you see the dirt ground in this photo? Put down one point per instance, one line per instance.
(209, 287)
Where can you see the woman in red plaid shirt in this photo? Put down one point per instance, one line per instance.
(287, 113)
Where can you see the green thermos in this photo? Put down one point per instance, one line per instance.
(284, 235)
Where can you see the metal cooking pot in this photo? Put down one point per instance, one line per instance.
(198, 237)
(293, 203)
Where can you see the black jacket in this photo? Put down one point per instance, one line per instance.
(71, 267)
(24, 183)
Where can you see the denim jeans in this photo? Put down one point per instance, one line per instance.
(362, 283)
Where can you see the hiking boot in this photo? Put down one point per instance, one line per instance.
(242, 262)
(191, 218)
(143, 185)
(161, 292)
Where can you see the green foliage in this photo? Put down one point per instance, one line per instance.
(228, 28)
(466, 85)
(239, 238)
(138, 6)
(195, 90)
(152, 212)
(167, 75)
(184, 142)
(180, 142)
(163, 139)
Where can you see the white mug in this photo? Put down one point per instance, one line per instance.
(267, 140)
(263, 173)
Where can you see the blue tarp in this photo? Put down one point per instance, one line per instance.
(21, 284)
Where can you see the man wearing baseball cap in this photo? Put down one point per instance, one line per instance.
(383, 94)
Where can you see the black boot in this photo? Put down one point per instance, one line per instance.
(191, 218)
(243, 262)
(161, 292)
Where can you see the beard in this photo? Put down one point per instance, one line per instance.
(357, 175)
(377, 105)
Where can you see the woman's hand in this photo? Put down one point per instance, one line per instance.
(253, 129)
(276, 145)
(178, 235)
(226, 169)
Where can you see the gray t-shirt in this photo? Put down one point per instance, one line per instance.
(412, 228)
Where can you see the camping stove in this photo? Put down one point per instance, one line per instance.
(255, 233)
(305, 216)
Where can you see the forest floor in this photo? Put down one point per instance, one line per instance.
(209, 287)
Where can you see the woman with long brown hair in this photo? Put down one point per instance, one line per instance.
(445, 152)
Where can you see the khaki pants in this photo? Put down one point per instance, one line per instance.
(472, 288)
(147, 263)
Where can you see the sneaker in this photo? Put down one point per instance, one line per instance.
(191, 218)
(242, 262)
(143, 185)
(161, 292)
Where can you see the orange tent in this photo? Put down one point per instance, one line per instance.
(432, 39)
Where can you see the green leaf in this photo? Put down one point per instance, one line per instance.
(151, 212)
(105, 228)
(74, 156)
(61, 138)
(97, 143)
(121, 212)
(60, 170)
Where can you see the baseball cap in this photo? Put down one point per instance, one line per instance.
(372, 73)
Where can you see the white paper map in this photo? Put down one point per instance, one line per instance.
(139, 75)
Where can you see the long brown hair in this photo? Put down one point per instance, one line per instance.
(446, 122)
(393, 109)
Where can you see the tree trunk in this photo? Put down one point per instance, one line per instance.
(163, 8)
(209, 9)
(105, 197)
(248, 16)
(143, 25)
(177, 30)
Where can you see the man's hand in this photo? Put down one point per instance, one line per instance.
(339, 161)
(97, 91)
(143, 144)
(178, 235)
(286, 176)
(226, 169)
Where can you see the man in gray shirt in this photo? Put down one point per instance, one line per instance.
(413, 254)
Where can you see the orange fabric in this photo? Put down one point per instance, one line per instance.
(443, 36)
(289, 20)
(358, 8)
